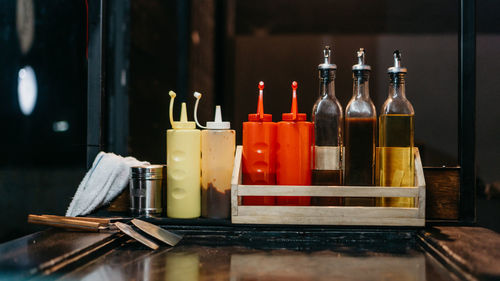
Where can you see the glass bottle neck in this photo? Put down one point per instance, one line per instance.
(361, 87)
(397, 90)
(397, 86)
(327, 87)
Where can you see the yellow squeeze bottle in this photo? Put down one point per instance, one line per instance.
(183, 166)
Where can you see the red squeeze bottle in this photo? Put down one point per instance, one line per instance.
(294, 152)
(259, 152)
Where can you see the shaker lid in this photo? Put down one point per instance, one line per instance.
(361, 61)
(260, 116)
(327, 65)
(293, 115)
(397, 64)
(183, 123)
(148, 171)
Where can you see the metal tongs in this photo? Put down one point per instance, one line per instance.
(110, 225)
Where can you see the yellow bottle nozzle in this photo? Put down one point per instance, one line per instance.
(184, 117)
(171, 108)
(197, 95)
(183, 123)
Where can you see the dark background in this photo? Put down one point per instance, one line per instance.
(223, 49)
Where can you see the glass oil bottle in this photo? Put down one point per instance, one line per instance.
(395, 161)
(217, 158)
(327, 117)
(360, 134)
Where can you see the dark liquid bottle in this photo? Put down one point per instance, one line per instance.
(328, 123)
(395, 163)
(360, 131)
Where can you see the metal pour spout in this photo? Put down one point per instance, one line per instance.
(397, 59)
(361, 56)
(327, 53)
(397, 68)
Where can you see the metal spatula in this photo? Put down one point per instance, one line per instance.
(157, 232)
(134, 234)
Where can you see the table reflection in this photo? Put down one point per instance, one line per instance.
(192, 263)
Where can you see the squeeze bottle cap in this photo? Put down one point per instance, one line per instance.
(260, 116)
(293, 115)
(183, 123)
(217, 124)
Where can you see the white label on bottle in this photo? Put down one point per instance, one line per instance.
(327, 158)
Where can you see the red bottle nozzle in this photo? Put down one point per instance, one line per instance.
(294, 100)
(260, 116)
(294, 115)
(260, 105)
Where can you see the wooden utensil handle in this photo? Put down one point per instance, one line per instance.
(64, 223)
(99, 220)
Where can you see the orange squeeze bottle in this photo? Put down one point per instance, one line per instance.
(259, 152)
(294, 152)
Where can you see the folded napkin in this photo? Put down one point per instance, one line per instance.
(106, 179)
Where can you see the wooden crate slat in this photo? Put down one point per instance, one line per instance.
(419, 170)
(236, 176)
(343, 191)
(420, 182)
(329, 220)
(235, 180)
(316, 211)
(421, 202)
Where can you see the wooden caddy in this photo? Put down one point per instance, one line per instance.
(327, 215)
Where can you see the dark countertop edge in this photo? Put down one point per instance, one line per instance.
(461, 248)
(442, 257)
(46, 266)
(81, 256)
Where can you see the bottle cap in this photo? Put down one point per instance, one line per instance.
(260, 116)
(217, 124)
(293, 115)
(183, 123)
(397, 64)
(326, 65)
(361, 61)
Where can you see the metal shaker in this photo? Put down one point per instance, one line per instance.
(147, 187)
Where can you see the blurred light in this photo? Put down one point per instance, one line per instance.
(195, 37)
(60, 126)
(27, 90)
(25, 24)
(123, 79)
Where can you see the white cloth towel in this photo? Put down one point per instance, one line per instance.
(106, 179)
